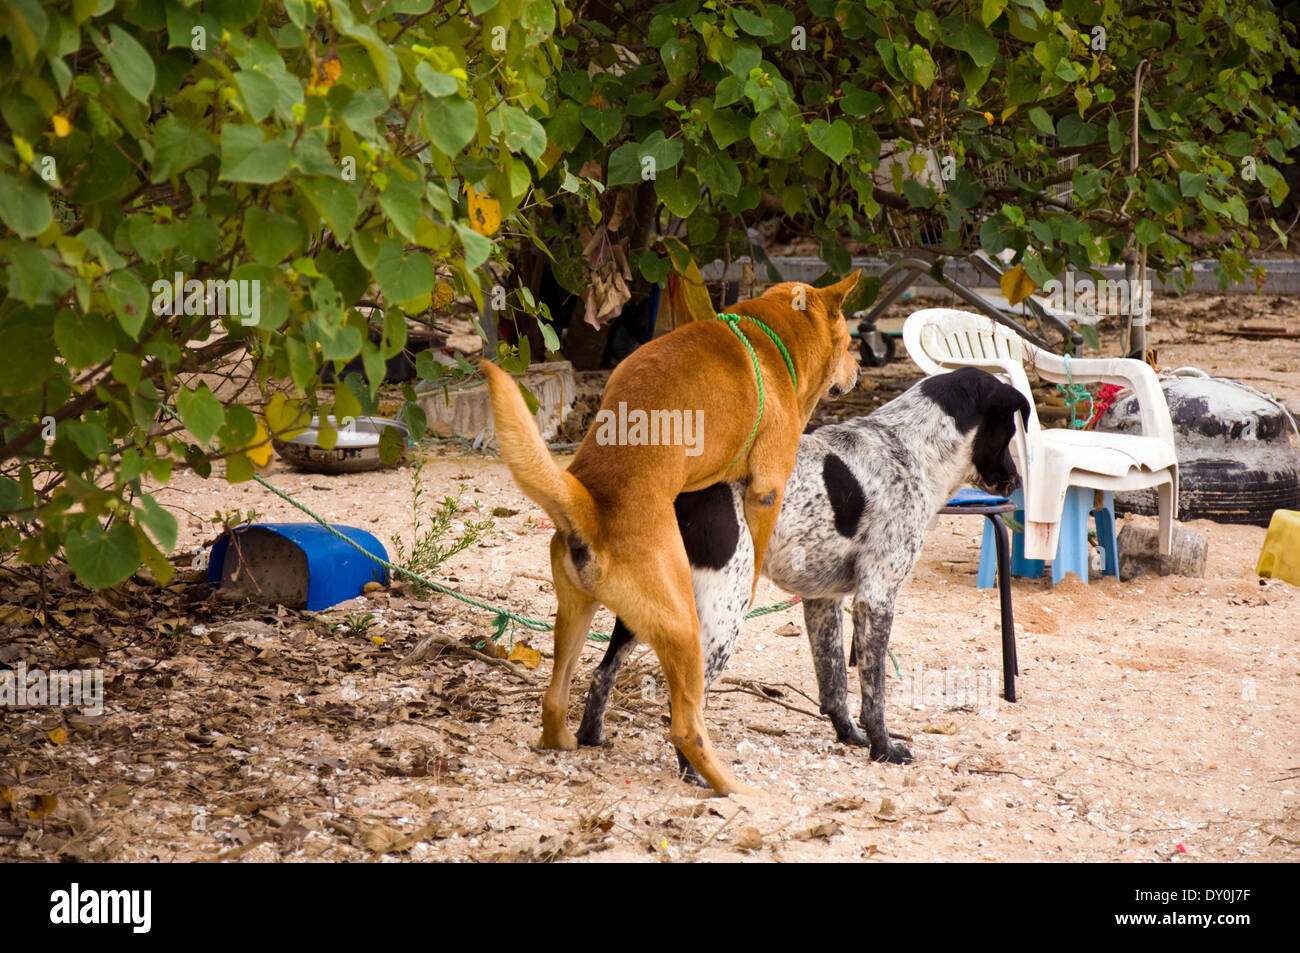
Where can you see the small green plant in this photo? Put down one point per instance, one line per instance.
(232, 519)
(439, 537)
(354, 624)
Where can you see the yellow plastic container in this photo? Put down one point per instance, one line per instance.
(1280, 557)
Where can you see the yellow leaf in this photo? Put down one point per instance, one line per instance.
(286, 417)
(1008, 112)
(524, 654)
(378, 640)
(61, 126)
(330, 72)
(57, 736)
(259, 449)
(44, 804)
(443, 295)
(1017, 285)
(484, 211)
(24, 149)
(688, 296)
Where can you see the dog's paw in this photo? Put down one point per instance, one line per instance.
(691, 776)
(851, 735)
(563, 740)
(591, 739)
(896, 753)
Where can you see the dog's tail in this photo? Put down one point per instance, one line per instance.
(566, 501)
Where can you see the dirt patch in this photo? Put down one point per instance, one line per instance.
(1155, 722)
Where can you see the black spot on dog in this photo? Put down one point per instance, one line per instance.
(707, 520)
(578, 552)
(845, 494)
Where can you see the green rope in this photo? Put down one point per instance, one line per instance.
(733, 321)
(1073, 394)
(502, 618)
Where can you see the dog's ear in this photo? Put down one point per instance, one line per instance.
(1011, 401)
(833, 295)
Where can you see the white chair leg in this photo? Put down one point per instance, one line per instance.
(1041, 539)
(1166, 499)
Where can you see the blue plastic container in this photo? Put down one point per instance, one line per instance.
(301, 565)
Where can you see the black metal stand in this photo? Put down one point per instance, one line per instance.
(991, 511)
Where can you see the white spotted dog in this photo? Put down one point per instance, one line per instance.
(856, 510)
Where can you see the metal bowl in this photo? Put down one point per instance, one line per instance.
(356, 450)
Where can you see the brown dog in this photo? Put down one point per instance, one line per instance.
(616, 541)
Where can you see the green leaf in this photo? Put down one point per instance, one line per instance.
(768, 131)
(270, 236)
(477, 247)
(834, 139)
(679, 193)
(1073, 131)
(523, 133)
(335, 202)
(247, 157)
(26, 342)
(435, 83)
(1161, 198)
(1042, 121)
(402, 277)
(161, 523)
(130, 63)
(604, 124)
(727, 127)
(102, 558)
(450, 124)
(752, 23)
(258, 91)
(679, 57)
(201, 412)
(25, 205)
(84, 339)
(130, 301)
(178, 146)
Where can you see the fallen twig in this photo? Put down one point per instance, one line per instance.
(767, 698)
(426, 644)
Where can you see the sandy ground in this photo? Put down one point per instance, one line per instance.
(1155, 721)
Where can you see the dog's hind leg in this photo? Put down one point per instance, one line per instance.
(823, 618)
(872, 621)
(572, 623)
(621, 643)
(656, 604)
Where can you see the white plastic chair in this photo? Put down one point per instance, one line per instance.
(1052, 460)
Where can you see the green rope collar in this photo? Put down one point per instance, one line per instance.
(733, 321)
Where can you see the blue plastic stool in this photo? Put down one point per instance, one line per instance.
(1071, 548)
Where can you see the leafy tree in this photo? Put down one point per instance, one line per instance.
(323, 157)
(745, 110)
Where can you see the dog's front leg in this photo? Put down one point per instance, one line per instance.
(826, 638)
(762, 507)
(872, 622)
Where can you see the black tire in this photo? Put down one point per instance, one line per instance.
(1225, 491)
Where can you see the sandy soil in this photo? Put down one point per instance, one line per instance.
(1155, 721)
